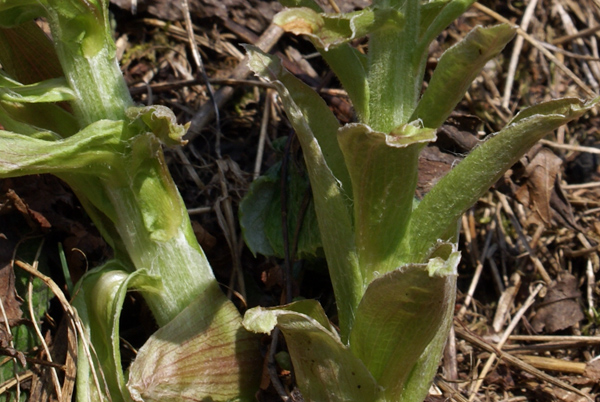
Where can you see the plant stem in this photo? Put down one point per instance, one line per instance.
(137, 205)
(394, 74)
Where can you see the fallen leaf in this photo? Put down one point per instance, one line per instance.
(542, 172)
(560, 308)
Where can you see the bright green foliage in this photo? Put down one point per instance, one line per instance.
(110, 152)
(392, 261)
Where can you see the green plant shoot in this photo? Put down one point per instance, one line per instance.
(392, 262)
(70, 114)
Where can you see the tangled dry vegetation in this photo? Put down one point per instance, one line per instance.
(526, 325)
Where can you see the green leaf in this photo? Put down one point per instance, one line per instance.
(89, 151)
(316, 128)
(390, 340)
(325, 369)
(204, 353)
(437, 15)
(52, 90)
(15, 12)
(312, 4)
(161, 121)
(350, 67)
(441, 208)
(309, 110)
(383, 168)
(328, 30)
(260, 215)
(395, 68)
(27, 54)
(38, 120)
(457, 69)
(99, 300)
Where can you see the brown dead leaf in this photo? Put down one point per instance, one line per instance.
(34, 219)
(8, 294)
(560, 308)
(206, 240)
(542, 192)
(592, 370)
(542, 172)
(433, 165)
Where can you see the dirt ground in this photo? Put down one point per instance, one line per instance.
(526, 324)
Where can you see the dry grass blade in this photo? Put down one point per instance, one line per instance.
(267, 40)
(541, 48)
(36, 327)
(505, 335)
(514, 361)
(514, 58)
(75, 321)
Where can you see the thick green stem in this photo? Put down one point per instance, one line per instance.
(87, 54)
(394, 71)
(137, 202)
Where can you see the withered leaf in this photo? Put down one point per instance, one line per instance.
(560, 308)
(542, 172)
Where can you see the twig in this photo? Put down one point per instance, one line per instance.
(511, 215)
(168, 86)
(200, 66)
(8, 384)
(569, 147)
(478, 271)
(272, 367)
(450, 363)
(190, 168)
(514, 361)
(36, 328)
(534, 42)
(267, 40)
(514, 58)
(264, 124)
(583, 33)
(74, 321)
(530, 300)
(226, 220)
(578, 45)
(555, 338)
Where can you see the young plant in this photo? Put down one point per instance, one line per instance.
(392, 260)
(66, 110)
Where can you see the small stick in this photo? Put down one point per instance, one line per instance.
(513, 323)
(569, 147)
(36, 328)
(536, 261)
(226, 220)
(450, 364)
(538, 46)
(272, 367)
(73, 318)
(552, 364)
(190, 168)
(267, 40)
(264, 124)
(514, 361)
(514, 58)
(477, 274)
(580, 34)
(555, 338)
(200, 65)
